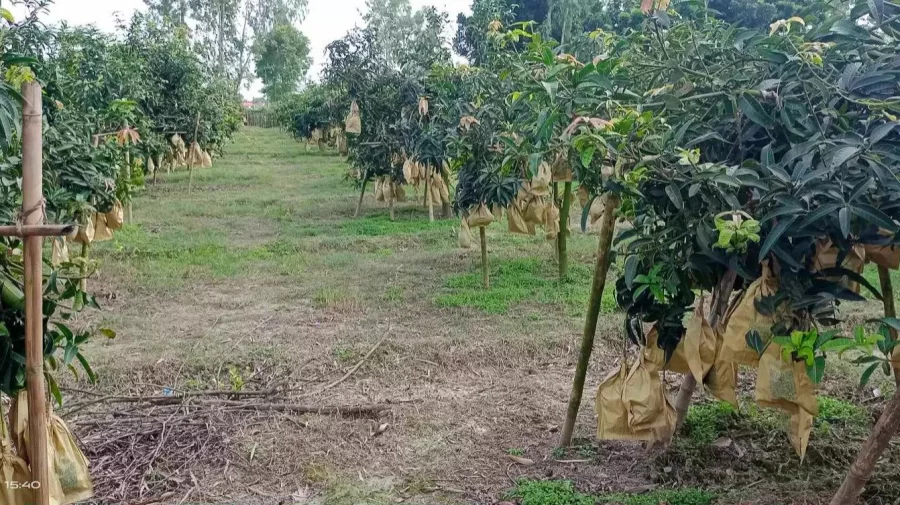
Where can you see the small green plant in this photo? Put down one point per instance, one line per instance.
(736, 232)
(515, 451)
(562, 492)
(705, 421)
(235, 378)
(558, 452)
(342, 353)
(587, 451)
(811, 347)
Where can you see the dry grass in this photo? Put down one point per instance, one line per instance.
(261, 277)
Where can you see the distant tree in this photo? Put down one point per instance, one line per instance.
(282, 59)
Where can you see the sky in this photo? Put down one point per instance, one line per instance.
(326, 20)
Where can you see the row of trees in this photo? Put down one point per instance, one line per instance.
(759, 165)
(115, 107)
(230, 35)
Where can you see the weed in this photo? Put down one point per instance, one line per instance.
(342, 354)
(522, 280)
(562, 492)
(834, 413)
(587, 451)
(515, 451)
(705, 421)
(394, 294)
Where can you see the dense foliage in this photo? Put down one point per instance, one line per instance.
(111, 104)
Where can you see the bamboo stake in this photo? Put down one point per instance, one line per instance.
(887, 295)
(561, 237)
(191, 153)
(39, 230)
(391, 198)
(861, 469)
(485, 274)
(32, 207)
(362, 193)
(601, 269)
(428, 197)
(129, 209)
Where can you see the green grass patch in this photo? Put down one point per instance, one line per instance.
(705, 421)
(562, 492)
(379, 224)
(840, 414)
(523, 280)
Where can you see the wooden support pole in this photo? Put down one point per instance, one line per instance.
(601, 269)
(191, 153)
(40, 230)
(129, 208)
(33, 212)
(485, 271)
(887, 295)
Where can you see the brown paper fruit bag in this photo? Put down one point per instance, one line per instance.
(612, 414)
(583, 195)
(561, 171)
(13, 469)
(801, 427)
(480, 217)
(206, 159)
(352, 123)
(551, 221)
(379, 189)
(399, 193)
(721, 379)
(540, 183)
(533, 212)
(746, 318)
(654, 356)
(59, 252)
(115, 218)
(408, 174)
(465, 236)
(102, 233)
(443, 189)
(827, 256)
(644, 398)
(699, 344)
(70, 466)
(887, 256)
(18, 419)
(85, 233)
(515, 222)
(436, 183)
(784, 385)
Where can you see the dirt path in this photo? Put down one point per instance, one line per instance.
(260, 278)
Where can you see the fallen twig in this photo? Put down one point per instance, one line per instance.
(353, 369)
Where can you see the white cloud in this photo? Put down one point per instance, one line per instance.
(326, 20)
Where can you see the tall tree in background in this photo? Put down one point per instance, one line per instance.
(225, 32)
(282, 59)
(403, 35)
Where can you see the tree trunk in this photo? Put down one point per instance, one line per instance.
(428, 197)
(220, 38)
(129, 208)
(485, 275)
(716, 311)
(362, 193)
(561, 237)
(446, 211)
(391, 198)
(887, 294)
(861, 469)
(601, 268)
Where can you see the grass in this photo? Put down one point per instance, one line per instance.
(563, 492)
(515, 281)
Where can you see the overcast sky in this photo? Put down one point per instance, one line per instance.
(326, 20)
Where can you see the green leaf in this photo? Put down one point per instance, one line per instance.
(587, 156)
(816, 370)
(54, 388)
(864, 378)
(675, 195)
(551, 87)
(755, 342)
(751, 108)
(844, 220)
(881, 131)
(874, 216)
(108, 333)
(774, 235)
(631, 265)
(840, 156)
(87, 368)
